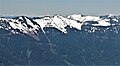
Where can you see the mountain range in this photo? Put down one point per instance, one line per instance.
(60, 40)
(31, 25)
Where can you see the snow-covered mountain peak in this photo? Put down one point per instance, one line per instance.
(31, 26)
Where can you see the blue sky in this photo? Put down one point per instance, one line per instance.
(63, 7)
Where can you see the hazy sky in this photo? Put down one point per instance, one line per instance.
(63, 7)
